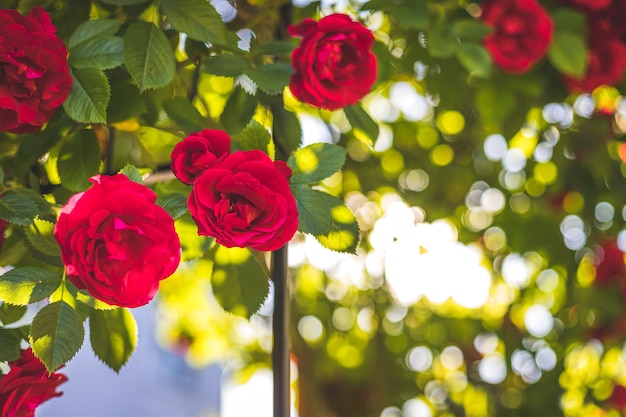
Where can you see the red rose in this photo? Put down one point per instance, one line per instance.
(27, 385)
(522, 32)
(334, 64)
(609, 264)
(198, 152)
(618, 397)
(245, 201)
(605, 65)
(34, 74)
(116, 243)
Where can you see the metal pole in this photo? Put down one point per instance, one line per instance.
(280, 326)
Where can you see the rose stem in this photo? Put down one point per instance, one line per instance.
(280, 327)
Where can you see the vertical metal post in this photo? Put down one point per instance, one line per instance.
(280, 326)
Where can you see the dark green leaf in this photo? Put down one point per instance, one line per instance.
(568, 19)
(17, 208)
(56, 334)
(475, 59)
(275, 48)
(26, 285)
(79, 159)
(44, 208)
(93, 29)
(413, 14)
(132, 173)
(225, 65)
(175, 204)
(470, 29)
(148, 56)
(126, 102)
(239, 282)
(101, 53)
(34, 146)
(197, 18)
(441, 44)
(10, 340)
(239, 109)
(11, 313)
(89, 97)
(362, 122)
(41, 238)
(113, 335)
(271, 78)
(568, 53)
(315, 162)
(184, 114)
(255, 136)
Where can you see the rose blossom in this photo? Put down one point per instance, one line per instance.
(27, 385)
(610, 267)
(334, 65)
(522, 32)
(606, 64)
(198, 152)
(116, 242)
(245, 201)
(34, 73)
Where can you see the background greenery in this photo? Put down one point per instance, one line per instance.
(509, 177)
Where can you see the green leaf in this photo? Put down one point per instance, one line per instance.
(271, 78)
(44, 208)
(93, 29)
(123, 2)
(11, 313)
(83, 297)
(475, 59)
(441, 44)
(568, 19)
(89, 97)
(41, 238)
(413, 14)
(327, 218)
(276, 48)
(238, 111)
(34, 146)
(239, 282)
(315, 162)
(17, 208)
(10, 341)
(148, 56)
(79, 159)
(126, 102)
(184, 114)
(26, 285)
(197, 18)
(568, 53)
(175, 204)
(132, 173)
(101, 53)
(225, 65)
(362, 122)
(56, 334)
(470, 29)
(113, 335)
(255, 136)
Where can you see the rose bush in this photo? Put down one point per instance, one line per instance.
(245, 201)
(606, 64)
(116, 242)
(197, 152)
(27, 385)
(522, 32)
(33, 69)
(334, 65)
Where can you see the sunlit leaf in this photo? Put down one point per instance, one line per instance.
(11, 313)
(239, 282)
(26, 285)
(315, 162)
(362, 122)
(113, 335)
(17, 208)
(40, 237)
(56, 334)
(255, 136)
(132, 173)
(197, 18)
